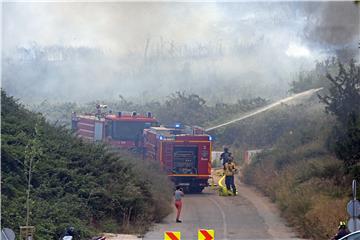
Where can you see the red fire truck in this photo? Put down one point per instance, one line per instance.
(123, 130)
(183, 152)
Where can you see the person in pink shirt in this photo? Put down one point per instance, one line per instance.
(178, 203)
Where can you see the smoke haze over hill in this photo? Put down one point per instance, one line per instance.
(222, 51)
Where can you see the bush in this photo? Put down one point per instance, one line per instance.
(303, 178)
(74, 182)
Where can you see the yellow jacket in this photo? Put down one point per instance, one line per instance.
(229, 169)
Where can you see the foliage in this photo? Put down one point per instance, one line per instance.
(74, 182)
(310, 185)
(179, 107)
(184, 108)
(264, 130)
(303, 178)
(343, 100)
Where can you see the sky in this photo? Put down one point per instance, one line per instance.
(149, 48)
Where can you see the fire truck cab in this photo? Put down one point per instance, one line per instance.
(183, 152)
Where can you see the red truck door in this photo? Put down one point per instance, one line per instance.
(204, 156)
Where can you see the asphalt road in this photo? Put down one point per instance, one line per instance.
(246, 216)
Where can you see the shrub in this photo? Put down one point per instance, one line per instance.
(74, 182)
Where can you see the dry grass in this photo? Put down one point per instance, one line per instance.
(322, 219)
(307, 191)
(306, 181)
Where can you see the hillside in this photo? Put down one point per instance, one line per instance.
(301, 175)
(73, 182)
(311, 156)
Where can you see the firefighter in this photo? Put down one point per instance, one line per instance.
(69, 233)
(224, 157)
(229, 171)
(178, 203)
(341, 232)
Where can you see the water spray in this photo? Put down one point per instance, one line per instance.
(263, 109)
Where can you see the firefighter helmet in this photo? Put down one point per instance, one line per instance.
(342, 224)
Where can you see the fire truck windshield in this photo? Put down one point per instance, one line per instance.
(129, 131)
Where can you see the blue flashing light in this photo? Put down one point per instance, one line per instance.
(161, 138)
(177, 125)
(210, 138)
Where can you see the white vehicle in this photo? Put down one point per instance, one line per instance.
(352, 236)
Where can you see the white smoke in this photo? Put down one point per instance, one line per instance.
(82, 51)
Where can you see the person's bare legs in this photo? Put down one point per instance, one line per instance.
(178, 205)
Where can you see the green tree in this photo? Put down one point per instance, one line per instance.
(33, 154)
(343, 100)
(186, 108)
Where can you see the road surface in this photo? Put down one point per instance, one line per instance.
(246, 216)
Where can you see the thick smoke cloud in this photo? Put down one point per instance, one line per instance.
(115, 27)
(334, 25)
(223, 51)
